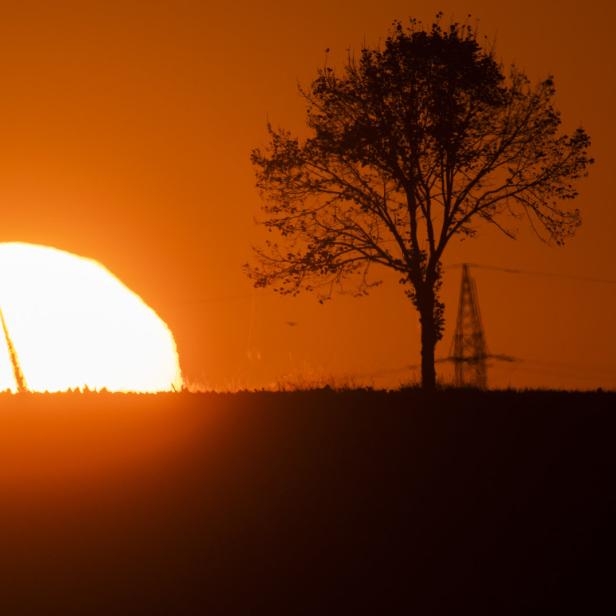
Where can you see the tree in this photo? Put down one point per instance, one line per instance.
(410, 146)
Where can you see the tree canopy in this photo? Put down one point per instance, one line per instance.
(411, 145)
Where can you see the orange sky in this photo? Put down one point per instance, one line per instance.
(126, 131)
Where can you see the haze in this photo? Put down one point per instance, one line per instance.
(127, 130)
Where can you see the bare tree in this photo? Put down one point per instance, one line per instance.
(411, 145)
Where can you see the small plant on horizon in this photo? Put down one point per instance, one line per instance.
(301, 382)
(412, 145)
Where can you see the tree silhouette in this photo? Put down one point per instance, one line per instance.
(411, 145)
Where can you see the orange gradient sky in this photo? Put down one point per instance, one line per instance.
(126, 131)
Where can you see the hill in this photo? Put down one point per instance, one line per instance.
(317, 502)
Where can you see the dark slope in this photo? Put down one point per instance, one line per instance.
(317, 502)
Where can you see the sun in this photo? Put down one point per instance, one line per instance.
(68, 322)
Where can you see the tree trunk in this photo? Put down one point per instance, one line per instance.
(429, 338)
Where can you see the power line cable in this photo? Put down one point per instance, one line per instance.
(510, 270)
(484, 266)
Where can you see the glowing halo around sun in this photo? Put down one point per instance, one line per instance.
(73, 324)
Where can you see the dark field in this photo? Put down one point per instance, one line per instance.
(317, 502)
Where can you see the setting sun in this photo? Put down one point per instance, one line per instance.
(73, 324)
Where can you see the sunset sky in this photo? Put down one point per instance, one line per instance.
(127, 129)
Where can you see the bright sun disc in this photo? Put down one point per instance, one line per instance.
(73, 324)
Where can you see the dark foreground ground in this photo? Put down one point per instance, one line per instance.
(316, 503)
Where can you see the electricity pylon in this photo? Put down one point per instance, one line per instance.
(20, 379)
(469, 350)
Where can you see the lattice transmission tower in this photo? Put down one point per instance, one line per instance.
(20, 379)
(469, 351)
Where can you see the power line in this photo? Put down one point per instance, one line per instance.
(510, 270)
(597, 370)
(220, 298)
(240, 297)
(565, 372)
